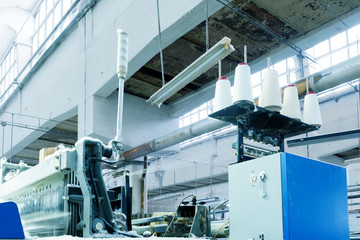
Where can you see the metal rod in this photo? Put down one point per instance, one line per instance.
(219, 68)
(207, 23)
(245, 54)
(214, 210)
(119, 125)
(240, 143)
(3, 140)
(354, 189)
(160, 44)
(338, 136)
(12, 136)
(307, 85)
(84, 81)
(354, 196)
(122, 61)
(269, 63)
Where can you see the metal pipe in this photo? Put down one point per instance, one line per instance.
(353, 188)
(333, 76)
(142, 179)
(328, 78)
(214, 211)
(120, 111)
(177, 136)
(354, 196)
(122, 61)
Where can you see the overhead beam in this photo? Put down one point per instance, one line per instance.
(324, 138)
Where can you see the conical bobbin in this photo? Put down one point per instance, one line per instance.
(312, 114)
(222, 94)
(271, 93)
(291, 107)
(242, 84)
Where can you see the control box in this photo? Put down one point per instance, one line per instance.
(284, 196)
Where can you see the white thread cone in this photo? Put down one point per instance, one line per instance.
(312, 114)
(242, 83)
(271, 93)
(222, 94)
(291, 107)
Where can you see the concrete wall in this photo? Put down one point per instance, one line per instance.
(78, 78)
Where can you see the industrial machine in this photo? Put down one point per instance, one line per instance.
(284, 196)
(66, 194)
(191, 219)
(281, 196)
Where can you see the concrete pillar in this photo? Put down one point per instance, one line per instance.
(142, 122)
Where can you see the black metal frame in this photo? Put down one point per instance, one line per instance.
(261, 125)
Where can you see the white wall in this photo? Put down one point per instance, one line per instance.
(83, 68)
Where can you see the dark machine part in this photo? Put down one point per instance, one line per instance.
(190, 221)
(88, 199)
(261, 125)
(87, 191)
(121, 200)
(126, 205)
(93, 171)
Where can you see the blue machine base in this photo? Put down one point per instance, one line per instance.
(10, 223)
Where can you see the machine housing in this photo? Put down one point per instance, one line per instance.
(284, 196)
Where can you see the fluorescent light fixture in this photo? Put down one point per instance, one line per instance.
(167, 196)
(219, 51)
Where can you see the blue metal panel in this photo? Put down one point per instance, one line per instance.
(314, 199)
(10, 223)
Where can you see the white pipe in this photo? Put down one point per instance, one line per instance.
(122, 60)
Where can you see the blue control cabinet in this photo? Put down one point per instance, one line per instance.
(284, 196)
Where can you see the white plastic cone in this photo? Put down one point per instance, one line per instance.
(222, 94)
(242, 83)
(271, 93)
(312, 114)
(291, 107)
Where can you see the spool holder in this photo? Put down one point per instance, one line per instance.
(261, 125)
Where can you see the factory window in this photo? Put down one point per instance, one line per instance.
(335, 50)
(51, 17)
(196, 114)
(326, 53)
(48, 17)
(8, 72)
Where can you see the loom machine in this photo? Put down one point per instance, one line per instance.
(66, 194)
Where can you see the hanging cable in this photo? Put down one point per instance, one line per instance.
(220, 229)
(175, 214)
(327, 7)
(242, 14)
(219, 68)
(207, 23)
(160, 44)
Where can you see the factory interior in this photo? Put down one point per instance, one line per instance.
(212, 119)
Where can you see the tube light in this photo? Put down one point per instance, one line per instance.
(219, 51)
(167, 196)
